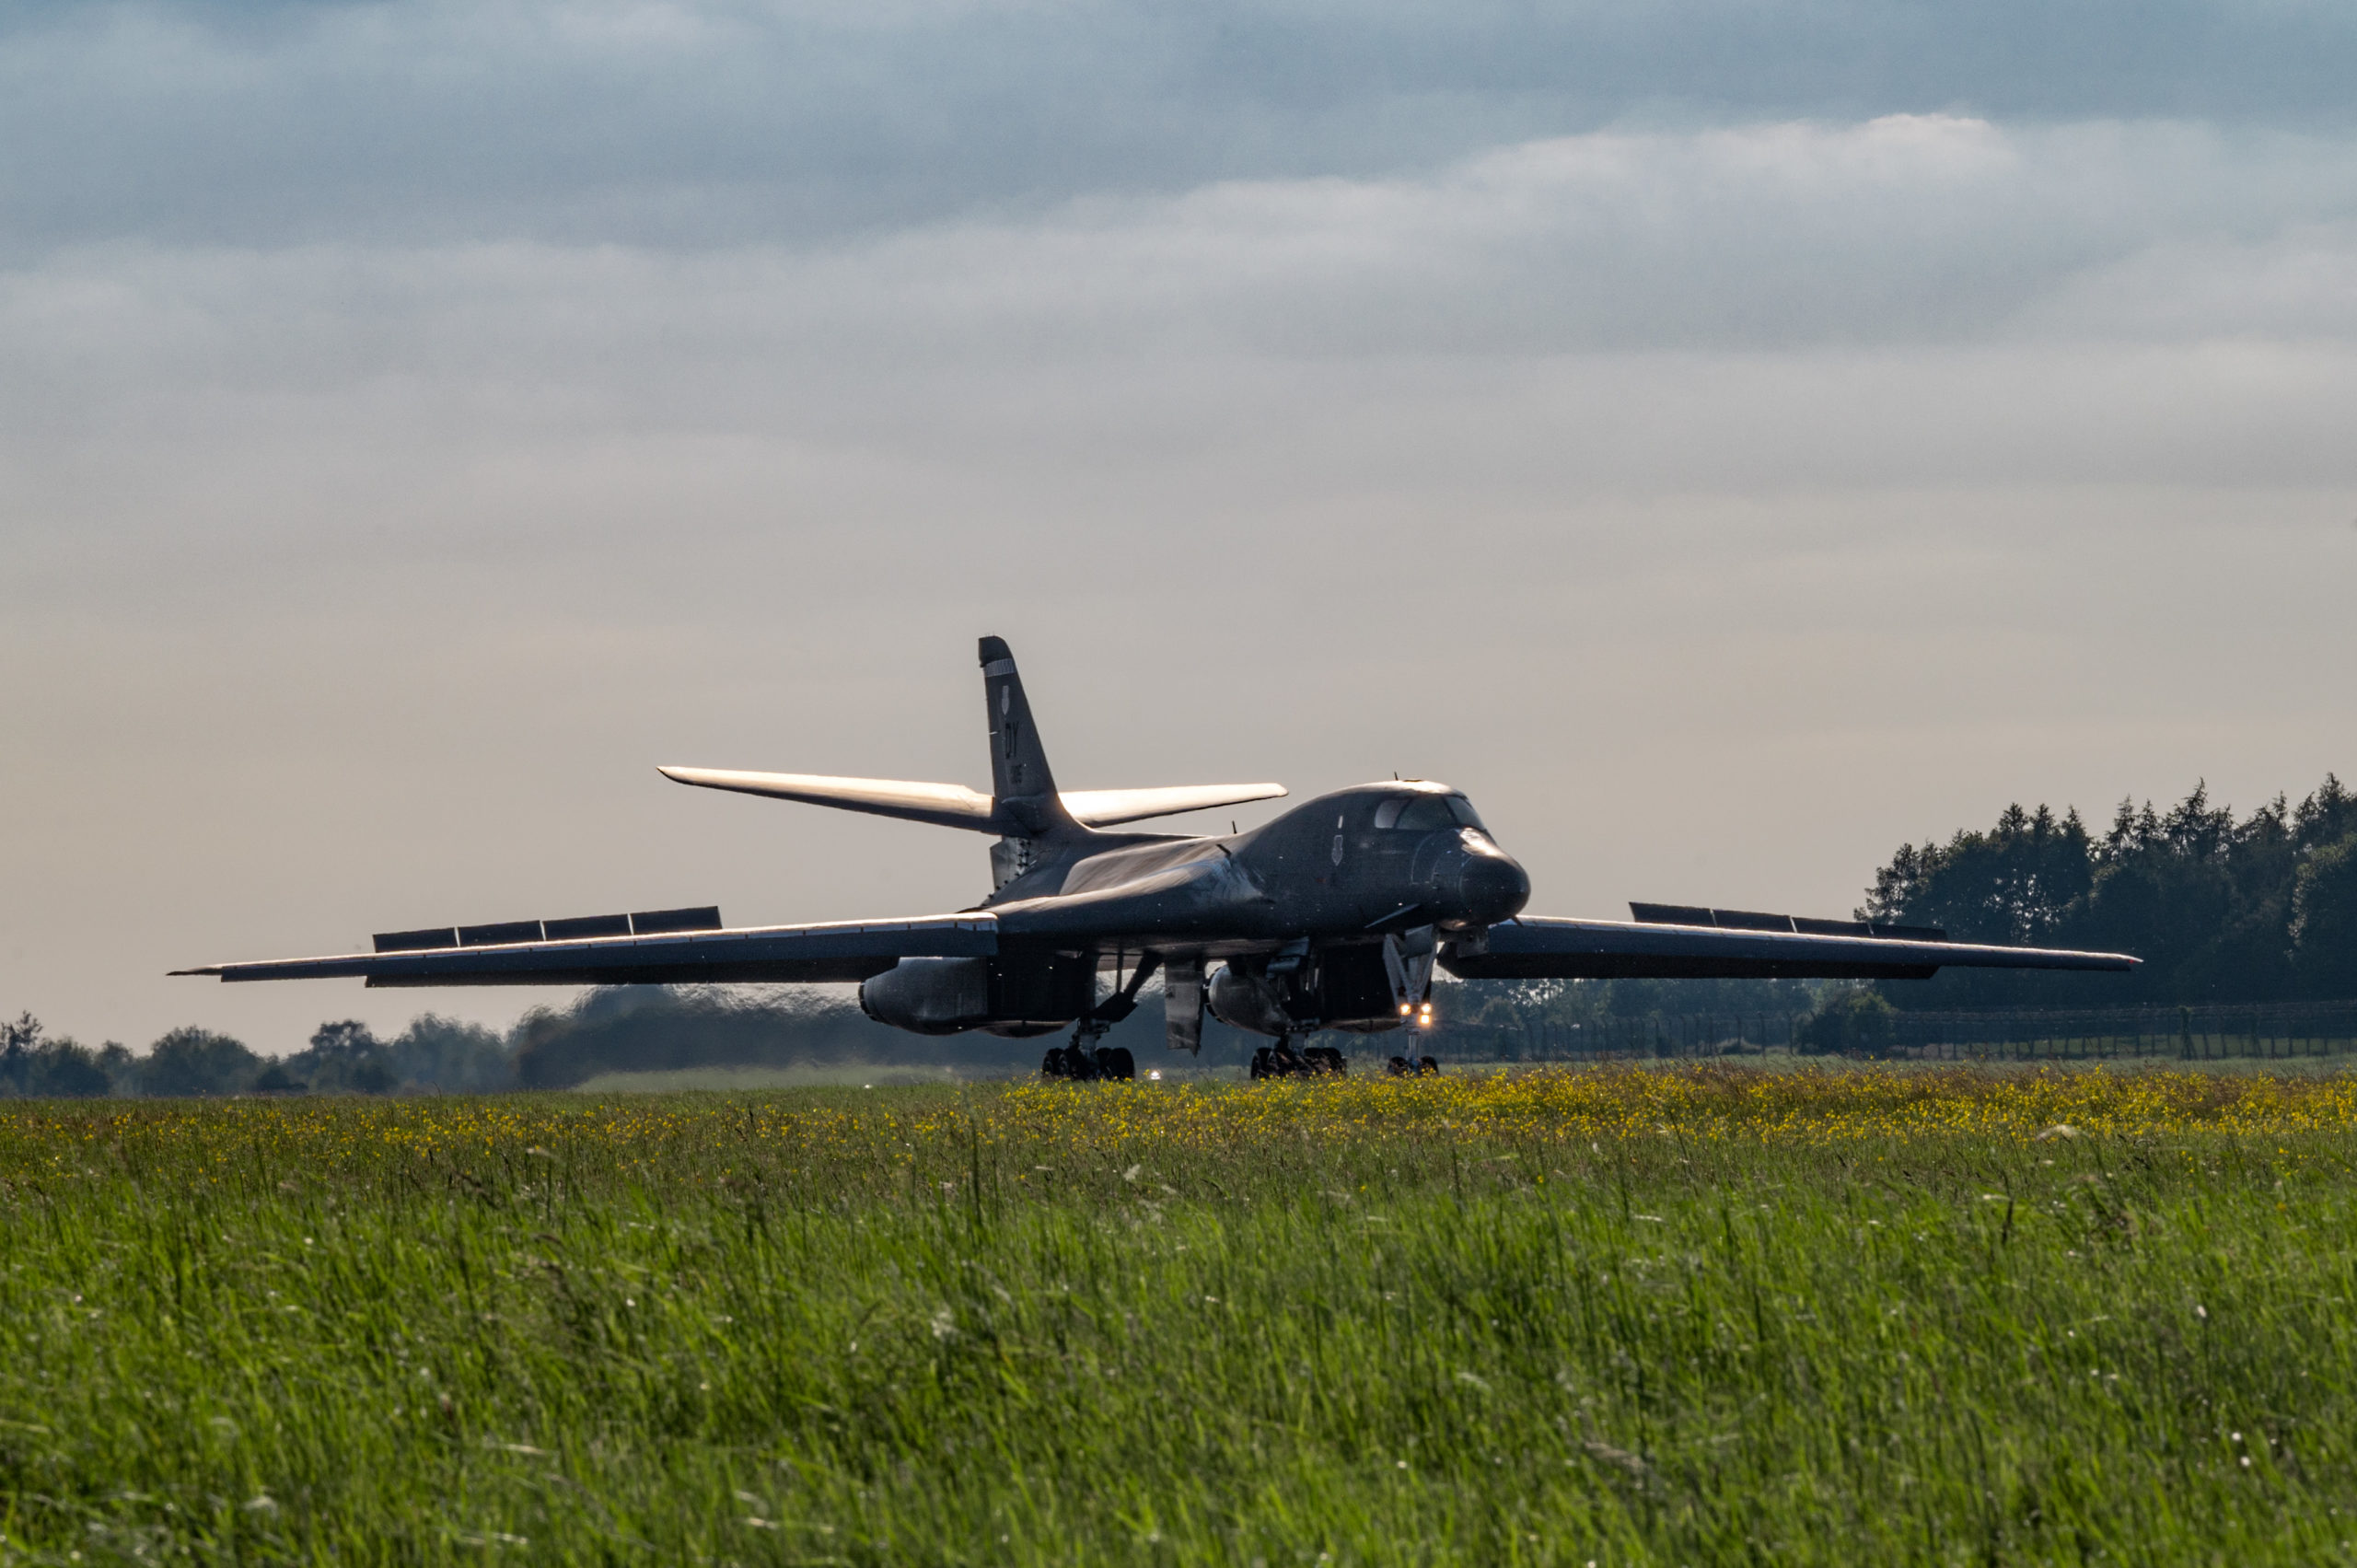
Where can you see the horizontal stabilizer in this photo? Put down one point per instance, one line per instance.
(954, 806)
(947, 805)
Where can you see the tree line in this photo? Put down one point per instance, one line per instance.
(2260, 909)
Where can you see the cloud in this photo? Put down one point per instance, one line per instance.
(747, 120)
(1904, 229)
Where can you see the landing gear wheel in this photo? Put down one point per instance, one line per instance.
(1260, 1063)
(1426, 1066)
(1117, 1063)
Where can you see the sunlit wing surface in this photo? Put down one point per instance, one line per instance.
(1600, 949)
(954, 806)
(1103, 807)
(844, 951)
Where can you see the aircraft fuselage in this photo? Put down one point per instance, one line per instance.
(1349, 865)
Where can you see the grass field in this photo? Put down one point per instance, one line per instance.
(1620, 1317)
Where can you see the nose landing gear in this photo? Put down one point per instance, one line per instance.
(1412, 1067)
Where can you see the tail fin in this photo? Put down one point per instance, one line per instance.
(1021, 782)
(1018, 763)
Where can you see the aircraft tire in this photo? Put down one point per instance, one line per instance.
(1120, 1063)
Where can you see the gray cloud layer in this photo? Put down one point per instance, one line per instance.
(646, 122)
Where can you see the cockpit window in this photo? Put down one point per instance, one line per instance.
(1462, 809)
(1423, 814)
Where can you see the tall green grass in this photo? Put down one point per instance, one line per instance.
(559, 1329)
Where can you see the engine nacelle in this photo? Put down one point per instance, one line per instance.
(945, 996)
(1252, 1002)
(1335, 988)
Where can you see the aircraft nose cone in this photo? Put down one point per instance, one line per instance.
(1493, 886)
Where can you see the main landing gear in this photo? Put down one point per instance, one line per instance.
(1282, 1061)
(1084, 1059)
(1105, 1062)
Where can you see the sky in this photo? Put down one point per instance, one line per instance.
(1727, 439)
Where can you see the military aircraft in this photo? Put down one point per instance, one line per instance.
(1332, 916)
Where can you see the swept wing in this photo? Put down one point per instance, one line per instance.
(839, 951)
(1542, 948)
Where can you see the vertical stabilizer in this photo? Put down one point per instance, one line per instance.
(1018, 764)
(1021, 783)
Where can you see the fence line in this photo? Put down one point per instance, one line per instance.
(2278, 1031)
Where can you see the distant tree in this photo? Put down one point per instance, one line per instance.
(275, 1079)
(197, 1061)
(1852, 1021)
(33, 1063)
(121, 1068)
(62, 1070)
(645, 1028)
(446, 1054)
(2202, 901)
(2324, 920)
(2327, 816)
(344, 1057)
(2012, 884)
(2018, 884)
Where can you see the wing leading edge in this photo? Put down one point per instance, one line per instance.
(1615, 949)
(843, 951)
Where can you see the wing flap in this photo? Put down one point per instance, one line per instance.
(1600, 949)
(843, 951)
